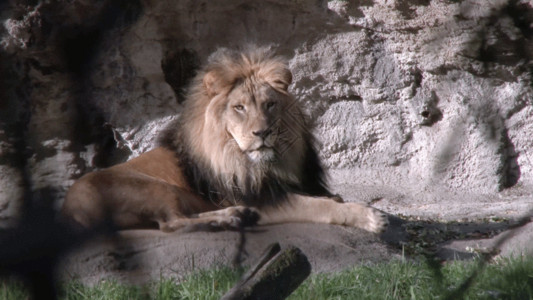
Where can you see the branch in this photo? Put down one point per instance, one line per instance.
(276, 275)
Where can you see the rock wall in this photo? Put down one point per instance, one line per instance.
(411, 95)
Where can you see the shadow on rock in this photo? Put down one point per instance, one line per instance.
(443, 241)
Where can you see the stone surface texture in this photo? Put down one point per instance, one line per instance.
(421, 108)
(137, 256)
(417, 96)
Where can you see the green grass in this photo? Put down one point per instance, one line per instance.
(12, 290)
(210, 284)
(504, 279)
(507, 279)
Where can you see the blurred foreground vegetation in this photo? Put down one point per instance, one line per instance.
(399, 279)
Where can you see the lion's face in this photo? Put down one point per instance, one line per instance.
(243, 131)
(252, 114)
(237, 123)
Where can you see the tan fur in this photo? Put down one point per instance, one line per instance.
(242, 128)
(212, 140)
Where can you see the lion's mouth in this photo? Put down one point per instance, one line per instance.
(262, 148)
(261, 153)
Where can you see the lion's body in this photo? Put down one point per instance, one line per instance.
(241, 148)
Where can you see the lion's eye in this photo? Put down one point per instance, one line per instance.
(239, 107)
(271, 104)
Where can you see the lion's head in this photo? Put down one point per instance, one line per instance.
(241, 125)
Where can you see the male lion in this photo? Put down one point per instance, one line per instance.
(240, 152)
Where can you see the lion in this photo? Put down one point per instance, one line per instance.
(240, 154)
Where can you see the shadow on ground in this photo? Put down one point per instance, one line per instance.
(146, 255)
(456, 240)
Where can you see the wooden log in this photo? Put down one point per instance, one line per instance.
(276, 275)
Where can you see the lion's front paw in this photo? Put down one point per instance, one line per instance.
(377, 221)
(233, 217)
(365, 217)
(248, 216)
(225, 222)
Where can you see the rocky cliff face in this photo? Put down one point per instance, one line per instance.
(409, 95)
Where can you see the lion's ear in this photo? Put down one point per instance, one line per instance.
(280, 79)
(213, 83)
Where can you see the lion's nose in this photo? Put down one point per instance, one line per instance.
(262, 133)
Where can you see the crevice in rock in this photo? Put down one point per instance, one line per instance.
(179, 68)
(418, 77)
(509, 171)
(80, 46)
(431, 113)
(349, 98)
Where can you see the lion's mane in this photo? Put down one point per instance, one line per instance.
(213, 164)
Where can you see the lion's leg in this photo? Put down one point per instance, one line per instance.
(300, 208)
(245, 216)
(228, 211)
(215, 221)
(231, 217)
